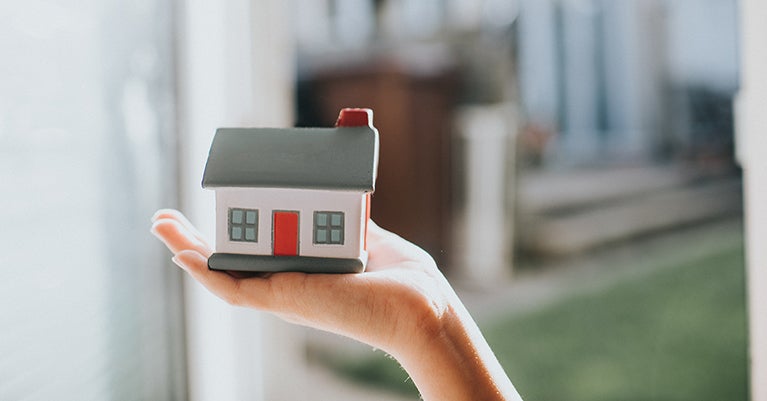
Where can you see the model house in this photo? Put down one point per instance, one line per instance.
(293, 199)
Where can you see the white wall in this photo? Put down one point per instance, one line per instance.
(752, 148)
(306, 202)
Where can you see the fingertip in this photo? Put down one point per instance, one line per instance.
(165, 213)
(153, 228)
(160, 230)
(164, 226)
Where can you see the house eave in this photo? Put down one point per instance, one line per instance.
(296, 187)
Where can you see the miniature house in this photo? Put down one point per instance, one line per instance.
(293, 199)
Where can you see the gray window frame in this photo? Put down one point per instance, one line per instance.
(243, 225)
(328, 227)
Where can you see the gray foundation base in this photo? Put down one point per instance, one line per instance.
(264, 263)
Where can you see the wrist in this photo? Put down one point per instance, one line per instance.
(448, 359)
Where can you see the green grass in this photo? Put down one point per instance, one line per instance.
(678, 333)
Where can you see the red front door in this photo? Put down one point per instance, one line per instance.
(285, 233)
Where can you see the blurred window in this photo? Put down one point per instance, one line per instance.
(92, 310)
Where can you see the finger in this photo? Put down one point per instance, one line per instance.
(177, 238)
(223, 285)
(338, 303)
(255, 292)
(165, 213)
(179, 217)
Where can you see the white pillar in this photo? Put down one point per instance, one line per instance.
(485, 232)
(235, 66)
(538, 60)
(752, 148)
(580, 87)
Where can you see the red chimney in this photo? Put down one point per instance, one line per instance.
(355, 118)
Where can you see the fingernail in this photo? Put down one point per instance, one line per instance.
(157, 214)
(153, 229)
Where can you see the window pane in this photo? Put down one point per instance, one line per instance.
(236, 216)
(250, 217)
(322, 236)
(91, 307)
(335, 236)
(322, 219)
(335, 219)
(250, 234)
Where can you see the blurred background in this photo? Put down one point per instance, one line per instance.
(570, 164)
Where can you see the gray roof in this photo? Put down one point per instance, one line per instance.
(313, 158)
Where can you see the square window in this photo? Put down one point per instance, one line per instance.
(329, 228)
(335, 219)
(322, 219)
(237, 216)
(335, 236)
(243, 225)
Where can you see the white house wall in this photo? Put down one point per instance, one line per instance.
(306, 202)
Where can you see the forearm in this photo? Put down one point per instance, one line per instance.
(402, 304)
(454, 362)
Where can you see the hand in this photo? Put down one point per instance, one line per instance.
(401, 304)
(401, 290)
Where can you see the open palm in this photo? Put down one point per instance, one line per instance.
(401, 292)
